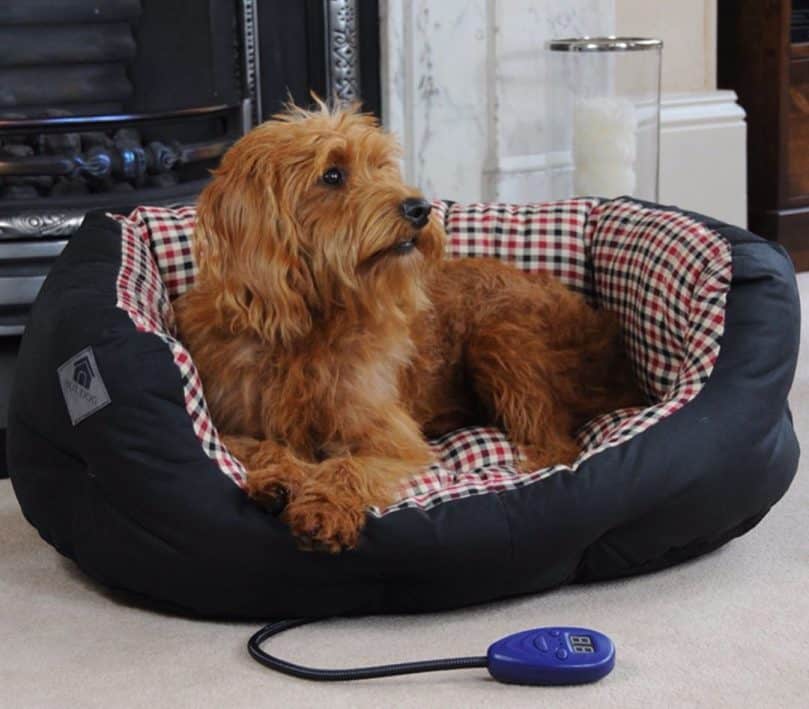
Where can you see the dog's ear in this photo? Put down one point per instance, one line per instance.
(248, 253)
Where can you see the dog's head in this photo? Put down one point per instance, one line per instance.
(308, 215)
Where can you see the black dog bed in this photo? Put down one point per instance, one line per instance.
(115, 461)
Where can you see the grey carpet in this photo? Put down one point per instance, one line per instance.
(728, 630)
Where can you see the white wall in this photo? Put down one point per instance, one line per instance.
(688, 31)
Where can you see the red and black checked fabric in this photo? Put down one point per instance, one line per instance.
(170, 241)
(665, 275)
(532, 237)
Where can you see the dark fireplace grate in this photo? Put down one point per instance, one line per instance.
(103, 153)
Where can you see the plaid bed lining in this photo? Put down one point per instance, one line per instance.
(664, 274)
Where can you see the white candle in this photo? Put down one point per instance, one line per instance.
(604, 147)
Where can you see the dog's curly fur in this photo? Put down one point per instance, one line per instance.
(329, 347)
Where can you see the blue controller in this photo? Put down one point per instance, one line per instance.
(554, 655)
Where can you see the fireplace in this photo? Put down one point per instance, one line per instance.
(109, 104)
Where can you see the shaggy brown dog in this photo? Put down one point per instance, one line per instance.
(332, 337)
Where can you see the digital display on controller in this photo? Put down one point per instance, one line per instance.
(582, 643)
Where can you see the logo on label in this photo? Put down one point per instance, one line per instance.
(82, 386)
(83, 372)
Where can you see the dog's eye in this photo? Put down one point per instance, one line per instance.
(334, 176)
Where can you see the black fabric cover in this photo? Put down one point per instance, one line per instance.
(130, 496)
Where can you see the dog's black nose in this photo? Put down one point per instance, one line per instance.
(416, 211)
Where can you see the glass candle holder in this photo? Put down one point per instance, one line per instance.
(604, 96)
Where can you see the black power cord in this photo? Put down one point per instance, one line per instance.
(401, 668)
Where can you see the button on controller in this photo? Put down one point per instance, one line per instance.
(561, 653)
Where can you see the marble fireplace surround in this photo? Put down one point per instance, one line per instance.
(463, 88)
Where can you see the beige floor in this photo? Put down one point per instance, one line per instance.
(728, 630)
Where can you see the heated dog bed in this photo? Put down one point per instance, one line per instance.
(115, 461)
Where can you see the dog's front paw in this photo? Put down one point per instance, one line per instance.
(274, 498)
(270, 487)
(321, 522)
